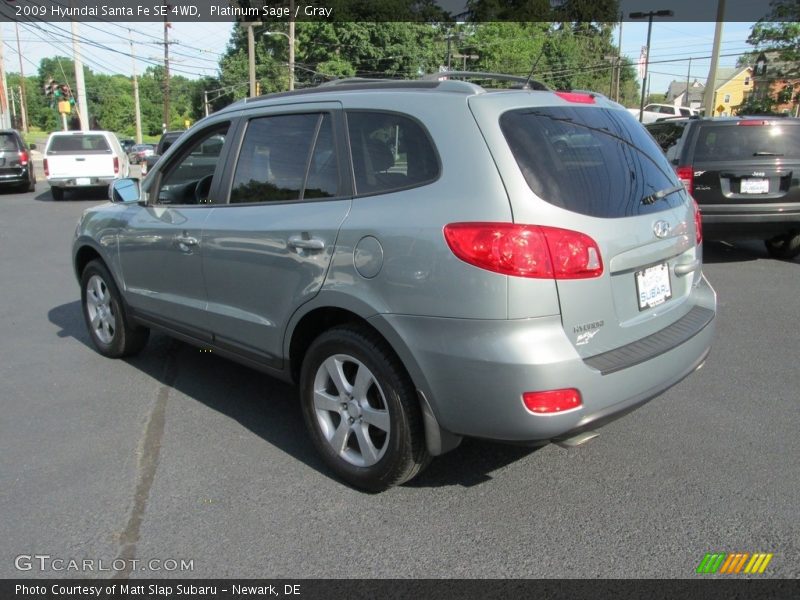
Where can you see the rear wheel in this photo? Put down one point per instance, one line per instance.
(361, 409)
(103, 311)
(57, 193)
(785, 246)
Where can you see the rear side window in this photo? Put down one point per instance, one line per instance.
(79, 144)
(8, 143)
(667, 135)
(727, 142)
(276, 162)
(390, 152)
(593, 161)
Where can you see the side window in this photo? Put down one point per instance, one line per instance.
(685, 112)
(276, 161)
(390, 152)
(188, 179)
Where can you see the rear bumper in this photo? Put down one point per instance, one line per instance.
(72, 182)
(754, 221)
(22, 176)
(474, 372)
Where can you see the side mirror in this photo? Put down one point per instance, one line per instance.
(32, 146)
(124, 190)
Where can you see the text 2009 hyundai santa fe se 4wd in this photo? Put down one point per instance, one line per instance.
(428, 259)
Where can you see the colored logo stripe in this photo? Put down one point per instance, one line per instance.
(725, 563)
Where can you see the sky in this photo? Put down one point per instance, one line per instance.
(105, 47)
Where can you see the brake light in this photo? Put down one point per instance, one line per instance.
(525, 250)
(686, 175)
(576, 97)
(552, 401)
(23, 158)
(116, 165)
(46, 168)
(698, 223)
(753, 123)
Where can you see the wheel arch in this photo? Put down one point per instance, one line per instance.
(332, 309)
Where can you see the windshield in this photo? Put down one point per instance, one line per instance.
(593, 161)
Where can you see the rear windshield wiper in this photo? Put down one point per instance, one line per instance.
(767, 154)
(660, 195)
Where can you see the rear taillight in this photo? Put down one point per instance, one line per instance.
(552, 401)
(23, 158)
(46, 168)
(698, 223)
(525, 250)
(686, 175)
(116, 165)
(577, 97)
(752, 123)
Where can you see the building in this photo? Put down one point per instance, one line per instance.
(676, 94)
(732, 87)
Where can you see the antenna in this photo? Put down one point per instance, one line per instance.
(536, 62)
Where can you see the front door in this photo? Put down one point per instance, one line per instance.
(160, 247)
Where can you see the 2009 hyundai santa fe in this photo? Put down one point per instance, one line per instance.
(428, 260)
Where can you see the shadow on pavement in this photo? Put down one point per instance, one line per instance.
(269, 407)
(93, 194)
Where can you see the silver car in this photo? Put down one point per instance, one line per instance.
(428, 260)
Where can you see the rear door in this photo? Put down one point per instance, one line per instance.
(748, 161)
(11, 156)
(611, 182)
(268, 250)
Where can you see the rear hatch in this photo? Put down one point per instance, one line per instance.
(748, 161)
(77, 155)
(583, 164)
(12, 156)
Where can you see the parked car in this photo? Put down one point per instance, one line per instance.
(656, 112)
(419, 258)
(16, 165)
(743, 174)
(140, 152)
(127, 144)
(167, 139)
(75, 160)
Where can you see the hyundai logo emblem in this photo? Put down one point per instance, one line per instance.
(661, 229)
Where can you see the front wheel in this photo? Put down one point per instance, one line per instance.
(361, 409)
(103, 311)
(785, 246)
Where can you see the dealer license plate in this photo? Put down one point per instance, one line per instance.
(653, 286)
(83, 181)
(755, 186)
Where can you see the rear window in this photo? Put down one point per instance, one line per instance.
(79, 144)
(8, 142)
(732, 141)
(593, 161)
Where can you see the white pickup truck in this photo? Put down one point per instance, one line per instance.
(83, 159)
(654, 112)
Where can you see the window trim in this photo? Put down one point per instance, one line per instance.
(180, 154)
(343, 193)
(390, 190)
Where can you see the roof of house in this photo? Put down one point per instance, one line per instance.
(726, 74)
(678, 88)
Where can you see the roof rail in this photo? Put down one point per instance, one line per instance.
(527, 84)
(355, 80)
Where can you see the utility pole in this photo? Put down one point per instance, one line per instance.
(5, 118)
(205, 101)
(83, 112)
(22, 110)
(291, 45)
(166, 67)
(711, 83)
(137, 108)
(688, 76)
(649, 16)
(251, 57)
(619, 60)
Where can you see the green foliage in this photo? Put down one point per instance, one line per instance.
(780, 33)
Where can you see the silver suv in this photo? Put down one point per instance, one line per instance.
(428, 260)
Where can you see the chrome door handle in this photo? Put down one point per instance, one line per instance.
(298, 241)
(184, 240)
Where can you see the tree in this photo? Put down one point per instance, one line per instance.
(781, 35)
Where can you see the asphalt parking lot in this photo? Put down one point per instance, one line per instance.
(179, 454)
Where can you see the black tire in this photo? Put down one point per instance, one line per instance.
(785, 246)
(57, 193)
(121, 339)
(31, 185)
(391, 396)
